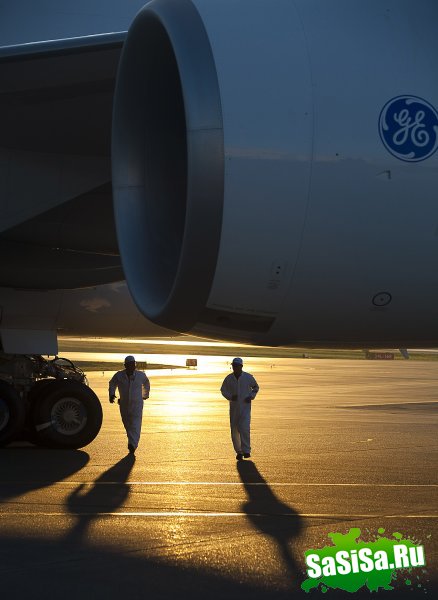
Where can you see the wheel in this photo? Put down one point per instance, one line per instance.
(12, 413)
(66, 414)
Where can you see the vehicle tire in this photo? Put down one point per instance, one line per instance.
(38, 387)
(12, 413)
(66, 414)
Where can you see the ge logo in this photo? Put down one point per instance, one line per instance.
(408, 127)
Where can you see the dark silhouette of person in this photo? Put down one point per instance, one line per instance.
(269, 515)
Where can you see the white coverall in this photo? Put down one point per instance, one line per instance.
(132, 390)
(240, 411)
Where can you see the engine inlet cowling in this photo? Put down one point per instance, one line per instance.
(167, 155)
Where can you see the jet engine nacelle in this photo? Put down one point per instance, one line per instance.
(274, 169)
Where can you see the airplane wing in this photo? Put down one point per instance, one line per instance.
(55, 122)
(56, 96)
(58, 246)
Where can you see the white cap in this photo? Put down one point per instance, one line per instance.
(129, 359)
(237, 361)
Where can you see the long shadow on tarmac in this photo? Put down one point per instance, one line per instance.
(20, 474)
(87, 504)
(269, 515)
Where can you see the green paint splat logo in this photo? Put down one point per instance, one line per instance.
(350, 563)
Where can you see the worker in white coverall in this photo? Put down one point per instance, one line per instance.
(240, 389)
(134, 387)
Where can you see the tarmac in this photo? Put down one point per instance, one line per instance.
(336, 445)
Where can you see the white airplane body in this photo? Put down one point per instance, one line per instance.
(273, 172)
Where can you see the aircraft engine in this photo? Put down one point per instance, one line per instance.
(275, 169)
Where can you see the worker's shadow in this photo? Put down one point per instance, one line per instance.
(269, 515)
(107, 493)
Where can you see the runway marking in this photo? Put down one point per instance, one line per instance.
(217, 514)
(220, 483)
